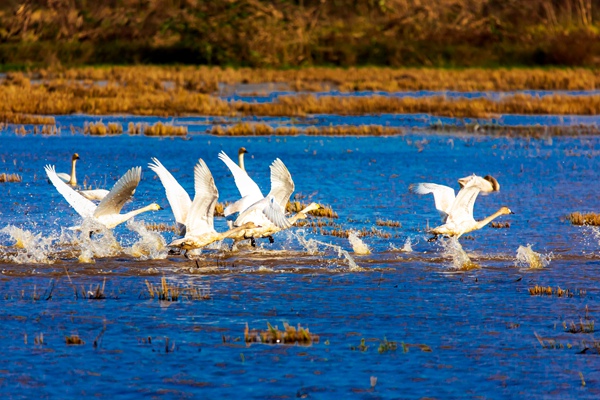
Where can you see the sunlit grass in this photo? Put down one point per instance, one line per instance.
(272, 335)
(578, 218)
(4, 177)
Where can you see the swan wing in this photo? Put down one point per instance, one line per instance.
(200, 218)
(178, 198)
(64, 177)
(443, 195)
(94, 194)
(476, 180)
(239, 206)
(120, 193)
(282, 185)
(462, 209)
(83, 206)
(245, 184)
(275, 213)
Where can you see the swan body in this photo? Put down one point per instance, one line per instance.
(70, 179)
(444, 196)
(199, 223)
(458, 225)
(107, 212)
(178, 198)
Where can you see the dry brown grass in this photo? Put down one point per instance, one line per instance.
(169, 292)
(499, 225)
(9, 117)
(258, 129)
(578, 218)
(74, 340)
(160, 129)
(324, 211)
(4, 177)
(272, 335)
(548, 291)
(387, 222)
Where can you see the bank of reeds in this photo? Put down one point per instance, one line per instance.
(578, 218)
(9, 117)
(258, 129)
(272, 335)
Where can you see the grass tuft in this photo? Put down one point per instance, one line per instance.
(11, 178)
(578, 218)
(169, 292)
(272, 335)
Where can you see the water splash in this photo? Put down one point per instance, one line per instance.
(151, 246)
(460, 260)
(99, 243)
(406, 248)
(358, 246)
(527, 258)
(31, 248)
(312, 247)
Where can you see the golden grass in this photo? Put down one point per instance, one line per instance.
(387, 222)
(9, 117)
(578, 218)
(4, 177)
(74, 340)
(548, 291)
(272, 335)
(323, 212)
(581, 327)
(160, 129)
(141, 97)
(169, 292)
(499, 225)
(258, 129)
(162, 227)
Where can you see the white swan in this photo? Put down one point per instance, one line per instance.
(178, 198)
(199, 223)
(444, 196)
(249, 191)
(459, 219)
(72, 178)
(107, 212)
(94, 194)
(241, 153)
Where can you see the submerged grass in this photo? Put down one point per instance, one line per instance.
(169, 292)
(578, 218)
(272, 335)
(4, 177)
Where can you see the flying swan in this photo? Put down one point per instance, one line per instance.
(107, 212)
(199, 222)
(444, 196)
(267, 213)
(459, 215)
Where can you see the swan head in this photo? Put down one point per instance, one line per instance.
(465, 181)
(155, 207)
(311, 207)
(242, 150)
(493, 181)
(505, 211)
(75, 157)
(249, 225)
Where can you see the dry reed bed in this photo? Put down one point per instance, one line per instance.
(272, 335)
(323, 212)
(63, 97)
(258, 129)
(578, 218)
(206, 79)
(4, 177)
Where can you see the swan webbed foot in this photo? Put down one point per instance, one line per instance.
(174, 251)
(252, 242)
(433, 238)
(271, 240)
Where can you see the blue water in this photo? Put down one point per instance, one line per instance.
(480, 324)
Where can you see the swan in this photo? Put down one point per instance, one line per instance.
(108, 211)
(178, 198)
(444, 196)
(249, 191)
(269, 213)
(241, 153)
(94, 194)
(199, 223)
(70, 179)
(459, 217)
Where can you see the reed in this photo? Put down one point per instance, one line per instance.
(272, 335)
(387, 222)
(322, 212)
(548, 291)
(160, 129)
(9, 117)
(499, 225)
(169, 292)
(74, 340)
(578, 218)
(4, 177)
(581, 327)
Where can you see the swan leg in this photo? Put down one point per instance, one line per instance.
(252, 242)
(433, 238)
(271, 240)
(174, 251)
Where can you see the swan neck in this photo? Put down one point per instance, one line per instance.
(73, 179)
(133, 213)
(485, 221)
(241, 161)
(233, 231)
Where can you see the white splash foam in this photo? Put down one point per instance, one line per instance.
(312, 246)
(527, 258)
(460, 260)
(358, 246)
(31, 248)
(151, 246)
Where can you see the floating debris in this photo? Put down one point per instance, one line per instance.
(272, 335)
